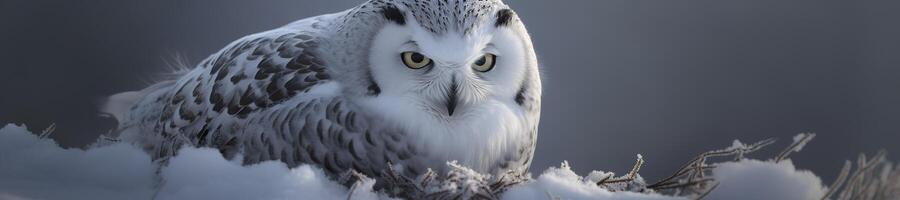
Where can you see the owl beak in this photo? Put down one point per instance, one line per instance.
(452, 98)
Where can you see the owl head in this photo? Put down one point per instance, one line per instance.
(451, 60)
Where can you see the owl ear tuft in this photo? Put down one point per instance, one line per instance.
(504, 16)
(392, 13)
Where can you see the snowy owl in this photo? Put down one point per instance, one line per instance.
(413, 83)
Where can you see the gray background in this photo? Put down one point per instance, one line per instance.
(666, 79)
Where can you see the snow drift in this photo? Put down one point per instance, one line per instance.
(34, 167)
(37, 168)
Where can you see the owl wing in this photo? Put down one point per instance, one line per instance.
(270, 96)
(251, 75)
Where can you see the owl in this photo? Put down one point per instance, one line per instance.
(410, 84)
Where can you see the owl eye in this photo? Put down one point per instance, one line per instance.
(415, 60)
(485, 63)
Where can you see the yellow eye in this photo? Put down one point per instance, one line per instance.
(485, 63)
(415, 60)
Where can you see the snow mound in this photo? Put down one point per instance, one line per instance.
(34, 167)
(205, 174)
(563, 183)
(755, 179)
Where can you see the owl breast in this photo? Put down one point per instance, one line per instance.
(490, 137)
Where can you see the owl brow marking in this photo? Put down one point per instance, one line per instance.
(504, 17)
(393, 14)
(520, 95)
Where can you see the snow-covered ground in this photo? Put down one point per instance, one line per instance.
(32, 167)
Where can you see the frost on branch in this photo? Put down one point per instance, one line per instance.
(693, 179)
(459, 183)
(800, 141)
(873, 179)
(721, 174)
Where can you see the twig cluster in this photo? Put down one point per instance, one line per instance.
(631, 181)
(627, 178)
(459, 183)
(692, 179)
(867, 182)
(874, 178)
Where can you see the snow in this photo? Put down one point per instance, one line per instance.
(38, 168)
(35, 168)
(32, 167)
(755, 179)
(563, 183)
(205, 174)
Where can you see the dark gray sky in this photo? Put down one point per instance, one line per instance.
(666, 79)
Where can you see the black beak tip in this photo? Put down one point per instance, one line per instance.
(452, 98)
(451, 107)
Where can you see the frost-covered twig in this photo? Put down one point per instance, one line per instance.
(399, 185)
(509, 179)
(361, 179)
(47, 131)
(631, 181)
(692, 175)
(866, 183)
(462, 183)
(800, 141)
(874, 178)
(628, 177)
(845, 171)
(459, 183)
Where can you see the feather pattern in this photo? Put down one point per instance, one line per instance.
(296, 94)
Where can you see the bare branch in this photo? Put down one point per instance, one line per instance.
(799, 142)
(47, 131)
(842, 177)
(696, 168)
(628, 177)
(867, 183)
